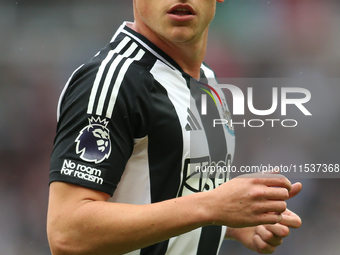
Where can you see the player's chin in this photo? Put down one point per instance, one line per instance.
(183, 35)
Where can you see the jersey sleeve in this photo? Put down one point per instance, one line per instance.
(99, 120)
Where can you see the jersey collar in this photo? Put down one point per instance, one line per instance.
(149, 46)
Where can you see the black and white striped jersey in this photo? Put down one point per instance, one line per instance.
(130, 125)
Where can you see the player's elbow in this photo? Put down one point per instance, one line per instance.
(60, 243)
(57, 244)
(71, 241)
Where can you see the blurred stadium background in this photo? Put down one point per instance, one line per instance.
(42, 42)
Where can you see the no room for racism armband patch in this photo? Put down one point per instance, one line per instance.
(79, 170)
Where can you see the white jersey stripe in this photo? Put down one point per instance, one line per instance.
(119, 81)
(100, 72)
(109, 76)
(209, 73)
(186, 243)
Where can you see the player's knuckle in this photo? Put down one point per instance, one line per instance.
(284, 232)
(281, 206)
(256, 180)
(267, 236)
(266, 219)
(257, 193)
(279, 242)
(284, 182)
(285, 194)
(263, 246)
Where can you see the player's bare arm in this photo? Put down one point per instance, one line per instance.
(80, 221)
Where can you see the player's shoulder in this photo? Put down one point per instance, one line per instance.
(120, 70)
(121, 60)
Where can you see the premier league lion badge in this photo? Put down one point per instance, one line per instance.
(93, 141)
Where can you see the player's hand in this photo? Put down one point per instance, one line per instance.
(265, 238)
(251, 200)
(268, 237)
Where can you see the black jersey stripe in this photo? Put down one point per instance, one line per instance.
(156, 249)
(64, 91)
(210, 240)
(100, 73)
(109, 75)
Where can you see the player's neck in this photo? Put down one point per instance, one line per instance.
(188, 56)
